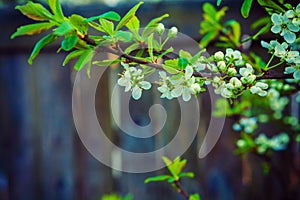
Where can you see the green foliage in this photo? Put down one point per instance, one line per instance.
(128, 16)
(245, 9)
(116, 197)
(194, 197)
(111, 15)
(48, 39)
(35, 11)
(32, 29)
(237, 72)
(175, 169)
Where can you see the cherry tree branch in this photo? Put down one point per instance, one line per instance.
(117, 50)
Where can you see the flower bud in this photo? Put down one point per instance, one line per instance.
(160, 28)
(219, 55)
(173, 32)
(231, 72)
(222, 66)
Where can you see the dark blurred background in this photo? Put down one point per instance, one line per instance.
(41, 155)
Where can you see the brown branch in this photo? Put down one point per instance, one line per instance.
(181, 190)
(119, 52)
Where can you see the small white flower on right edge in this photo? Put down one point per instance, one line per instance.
(259, 88)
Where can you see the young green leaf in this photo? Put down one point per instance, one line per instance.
(134, 46)
(271, 5)
(169, 69)
(56, 9)
(69, 42)
(133, 25)
(236, 30)
(263, 30)
(124, 36)
(209, 9)
(194, 197)
(48, 39)
(63, 29)
(72, 55)
(219, 2)
(105, 63)
(150, 27)
(150, 46)
(35, 11)
(185, 54)
(208, 38)
(79, 23)
(245, 9)
(157, 178)
(182, 63)
(32, 29)
(187, 174)
(128, 16)
(107, 26)
(85, 58)
(111, 15)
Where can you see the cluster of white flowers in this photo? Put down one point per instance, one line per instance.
(249, 125)
(233, 86)
(229, 89)
(178, 85)
(277, 103)
(234, 56)
(133, 79)
(276, 143)
(287, 24)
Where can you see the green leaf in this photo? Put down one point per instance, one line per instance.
(169, 69)
(245, 9)
(194, 197)
(56, 9)
(263, 30)
(150, 27)
(107, 26)
(236, 30)
(111, 15)
(132, 47)
(185, 54)
(271, 5)
(219, 2)
(128, 16)
(32, 29)
(124, 36)
(69, 42)
(298, 138)
(209, 9)
(85, 58)
(79, 23)
(72, 55)
(182, 63)
(208, 38)
(150, 46)
(187, 174)
(133, 25)
(197, 56)
(105, 63)
(35, 11)
(158, 178)
(48, 39)
(260, 22)
(63, 29)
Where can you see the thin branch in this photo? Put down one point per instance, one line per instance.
(119, 52)
(181, 190)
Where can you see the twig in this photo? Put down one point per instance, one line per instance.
(119, 52)
(181, 190)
